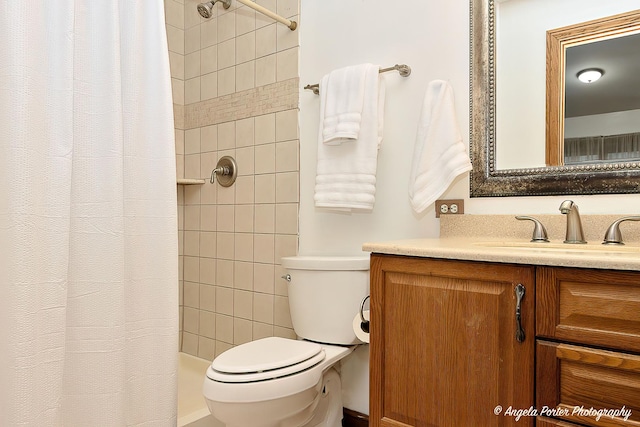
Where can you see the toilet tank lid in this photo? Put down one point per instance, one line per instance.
(326, 262)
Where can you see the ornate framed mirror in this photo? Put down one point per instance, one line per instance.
(487, 179)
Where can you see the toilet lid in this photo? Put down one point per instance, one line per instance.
(265, 354)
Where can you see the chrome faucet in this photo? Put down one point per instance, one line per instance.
(574, 226)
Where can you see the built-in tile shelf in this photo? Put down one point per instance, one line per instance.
(190, 181)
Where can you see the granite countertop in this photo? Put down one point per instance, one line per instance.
(476, 239)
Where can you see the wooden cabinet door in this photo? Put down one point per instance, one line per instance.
(443, 343)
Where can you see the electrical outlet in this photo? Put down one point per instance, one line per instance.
(449, 207)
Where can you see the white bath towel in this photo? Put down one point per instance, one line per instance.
(346, 173)
(342, 92)
(439, 155)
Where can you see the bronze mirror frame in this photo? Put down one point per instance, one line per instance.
(485, 179)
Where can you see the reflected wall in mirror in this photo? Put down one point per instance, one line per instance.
(508, 114)
(594, 120)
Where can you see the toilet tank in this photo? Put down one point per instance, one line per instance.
(325, 295)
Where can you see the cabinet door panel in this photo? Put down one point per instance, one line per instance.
(443, 342)
(593, 307)
(571, 377)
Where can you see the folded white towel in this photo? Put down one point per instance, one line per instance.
(342, 93)
(346, 173)
(439, 155)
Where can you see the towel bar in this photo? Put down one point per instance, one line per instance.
(403, 69)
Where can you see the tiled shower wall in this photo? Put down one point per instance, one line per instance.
(235, 79)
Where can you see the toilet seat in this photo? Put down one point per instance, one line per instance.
(265, 359)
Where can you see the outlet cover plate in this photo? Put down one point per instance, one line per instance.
(448, 202)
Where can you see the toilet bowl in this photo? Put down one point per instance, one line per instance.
(281, 382)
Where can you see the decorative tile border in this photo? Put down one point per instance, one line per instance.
(266, 99)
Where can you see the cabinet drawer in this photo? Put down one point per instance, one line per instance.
(550, 422)
(594, 307)
(571, 377)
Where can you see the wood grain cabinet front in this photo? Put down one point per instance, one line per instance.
(452, 343)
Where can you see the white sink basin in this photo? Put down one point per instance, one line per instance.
(594, 248)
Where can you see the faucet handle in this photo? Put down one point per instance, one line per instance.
(539, 232)
(613, 236)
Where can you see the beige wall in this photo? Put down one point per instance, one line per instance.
(235, 79)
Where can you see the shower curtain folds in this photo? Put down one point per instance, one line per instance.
(88, 228)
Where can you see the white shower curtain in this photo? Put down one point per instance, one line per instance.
(88, 234)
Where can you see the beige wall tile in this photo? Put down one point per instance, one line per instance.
(265, 158)
(192, 90)
(208, 192)
(281, 286)
(190, 343)
(226, 195)
(207, 324)
(285, 245)
(209, 138)
(192, 217)
(243, 304)
(245, 20)
(191, 319)
(226, 218)
(263, 278)
(206, 348)
(209, 60)
(224, 300)
(244, 219)
(179, 166)
(266, 70)
(243, 247)
(263, 248)
(226, 135)
(224, 329)
(245, 157)
(207, 297)
(286, 125)
(176, 63)
(208, 217)
(287, 8)
(207, 164)
(177, 91)
(262, 330)
(209, 86)
(246, 47)
(191, 243)
(243, 275)
(174, 13)
(192, 165)
(265, 188)
(208, 271)
(245, 190)
(263, 307)
(209, 33)
(245, 76)
(262, 20)
(287, 64)
(281, 315)
(245, 129)
(287, 157)
(192, 39)
(227, 54)
(265, 218)
(179, 139)
(175, 39)
(287, 218)
(192, 141)
(191, 295)
(226, 81)
(221, 347)
(285, 38)
(191, 269)
(265, 129)
(287, 190)
(226, 27)
(224, 273)
(192, 195)
(192, 65)
(279, 331)
(242, 331)
(207, 244)
(225, 247)
(266, 40)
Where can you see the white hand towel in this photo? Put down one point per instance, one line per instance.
(346, 173)
(342, 92)
(439, 155)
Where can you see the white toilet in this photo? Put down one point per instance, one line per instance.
(279, 382)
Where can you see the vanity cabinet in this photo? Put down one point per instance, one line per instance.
(444, 350)
(443, 342)
(587, 353)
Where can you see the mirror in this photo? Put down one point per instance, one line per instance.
(508, 113)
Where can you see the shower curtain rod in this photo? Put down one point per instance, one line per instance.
(291, 24)
(403, 69)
